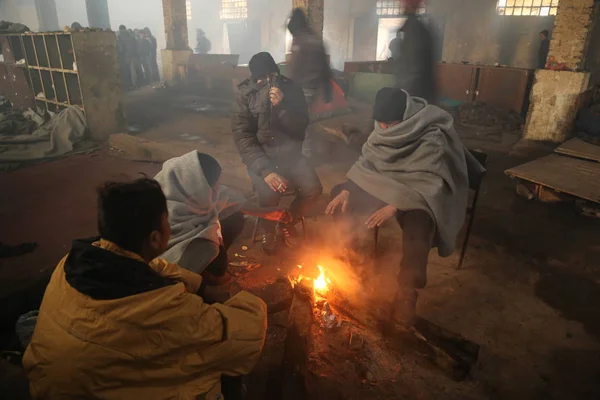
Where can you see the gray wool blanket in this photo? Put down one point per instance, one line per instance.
(194, 207)
(419, 164)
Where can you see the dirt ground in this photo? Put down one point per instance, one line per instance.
(528, 293)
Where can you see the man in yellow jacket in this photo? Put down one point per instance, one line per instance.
(118, 323)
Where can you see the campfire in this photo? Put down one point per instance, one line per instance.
(320, 287)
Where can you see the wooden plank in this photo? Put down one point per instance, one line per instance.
(580, 149)
(573, 176)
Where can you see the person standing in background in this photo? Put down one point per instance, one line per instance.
(415, 65)
(145, 50)
(394, 46)
(203, 45)
(124, 47)
(544, 49)
(309, 67)
(136, 63)
(153, 56)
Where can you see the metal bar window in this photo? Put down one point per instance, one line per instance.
(188, 9)
(394, 8)
(234, 9)
(538, 8)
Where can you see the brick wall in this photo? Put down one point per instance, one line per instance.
(570, 35)
(556, 97)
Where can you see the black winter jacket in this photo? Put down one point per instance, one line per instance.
(268, 136)
(415, 67)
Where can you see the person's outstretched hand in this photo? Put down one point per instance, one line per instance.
(340, 201)
(380, 216)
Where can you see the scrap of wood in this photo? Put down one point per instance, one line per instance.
(579, 148)
(573, 176)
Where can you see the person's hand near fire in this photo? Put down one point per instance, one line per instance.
(380, 216)
(340, 201)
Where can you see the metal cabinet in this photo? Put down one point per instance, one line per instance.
(60, 69)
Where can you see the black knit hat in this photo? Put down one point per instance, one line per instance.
(262, 64)
(390, 105)
(298, 21)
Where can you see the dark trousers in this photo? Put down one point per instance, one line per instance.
(195, 254)
(418, 232)
(302, 177)
(231, 228)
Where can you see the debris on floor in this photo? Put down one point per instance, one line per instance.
(196, 138)
(480, 114)
(7, 251)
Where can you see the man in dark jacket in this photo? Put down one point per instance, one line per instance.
(154, 51)
(309, 67)
(415, 66)
(544, 49)
(203, 45)
(269, 123)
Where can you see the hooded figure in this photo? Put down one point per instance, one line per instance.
(414, 169)
(202, 213)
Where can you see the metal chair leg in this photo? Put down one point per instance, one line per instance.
(303, 221)
(255, 231)
(375, 241)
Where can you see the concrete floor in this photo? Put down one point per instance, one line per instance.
(528, 294)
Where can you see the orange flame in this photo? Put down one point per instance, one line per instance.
(321, 284)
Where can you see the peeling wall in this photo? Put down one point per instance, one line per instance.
(475, 33)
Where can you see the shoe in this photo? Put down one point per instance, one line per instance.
(269, 243)
(404, 308)
(288, 234)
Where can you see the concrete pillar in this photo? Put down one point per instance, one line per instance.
(315, 10)
(176, 30)
(556, 96)
(47, 15)
(175, 57)
(97, 12)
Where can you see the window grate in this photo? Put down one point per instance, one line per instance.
(188, 9)
(540, 8)
(393, 8)
(234, 9)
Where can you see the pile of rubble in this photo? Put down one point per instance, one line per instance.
(487, 116)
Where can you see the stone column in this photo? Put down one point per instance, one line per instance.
(97, 12)
(175, 56)
(556, 96)
(315, 10)
(47, 16)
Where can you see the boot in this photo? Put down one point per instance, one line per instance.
(269, 243)
(288, 234)
(404, 308)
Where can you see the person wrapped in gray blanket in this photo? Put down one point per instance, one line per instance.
(413, 168)
(205, 217)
